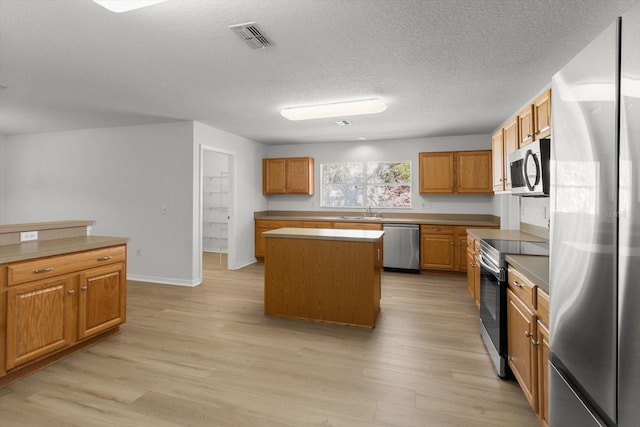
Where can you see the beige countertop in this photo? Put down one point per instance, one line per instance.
(385, 218)
(504, 235)
(325, 234)
(534, 268)
(43, 248)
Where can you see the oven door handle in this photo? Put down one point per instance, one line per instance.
(490, 267)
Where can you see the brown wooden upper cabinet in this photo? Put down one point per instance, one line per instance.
(534, 121)
(459, 172)
(503, 142)
(291, 175)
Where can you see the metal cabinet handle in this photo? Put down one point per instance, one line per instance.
(83, 288)
(535, 343)
(436, 229)
(71, 292)
(517, 284)
(43, 270)
(104, 258)
(527, 334)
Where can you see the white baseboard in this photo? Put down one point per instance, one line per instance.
(243, 264)
(165, 280)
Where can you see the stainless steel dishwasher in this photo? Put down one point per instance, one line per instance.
(401, 245)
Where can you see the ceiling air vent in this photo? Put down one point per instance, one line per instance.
(342, 122)
(251, 35)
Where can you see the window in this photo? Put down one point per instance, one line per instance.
(366, 184)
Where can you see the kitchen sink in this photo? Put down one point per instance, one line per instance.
(360, 217)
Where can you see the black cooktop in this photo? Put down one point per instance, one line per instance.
(518, 247)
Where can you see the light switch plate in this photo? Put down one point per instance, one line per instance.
(26, 236)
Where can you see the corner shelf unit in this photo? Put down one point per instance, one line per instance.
(215, 213)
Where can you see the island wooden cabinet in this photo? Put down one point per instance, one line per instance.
(450, 172)
(292, 175)
(56, 304)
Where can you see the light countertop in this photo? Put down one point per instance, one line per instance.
(534, 268)
(325, 234)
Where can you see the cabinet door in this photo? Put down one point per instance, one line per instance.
(461, 252)
(473, 172)
(542, 115)
(436, 171)
(102, 299)
(39, 319)
(510, 145)
(543, 373)
(266, 225)
(497, 147)
(522, 354)
(470, 274)
(525, 126)
(299, 175)
(274, 175)
(437, 251)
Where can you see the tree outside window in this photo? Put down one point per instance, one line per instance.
(366, 184)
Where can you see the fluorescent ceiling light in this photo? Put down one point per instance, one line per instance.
(338, 109)
(119, 6)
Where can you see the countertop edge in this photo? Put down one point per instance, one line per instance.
(325, 234)
(533, 267)
(50, 225)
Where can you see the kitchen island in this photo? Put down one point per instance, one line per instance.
(328, 275)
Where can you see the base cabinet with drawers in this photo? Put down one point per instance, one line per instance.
(528, 340)
(56, 303)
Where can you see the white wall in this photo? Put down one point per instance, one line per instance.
(535, 211)
(393, 150)
(3, 172)
(119, 177)
(245, 170)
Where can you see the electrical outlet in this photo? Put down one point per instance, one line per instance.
(26, 236)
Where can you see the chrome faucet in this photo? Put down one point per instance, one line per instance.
(368, 213)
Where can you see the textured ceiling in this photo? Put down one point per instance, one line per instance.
(444, 67)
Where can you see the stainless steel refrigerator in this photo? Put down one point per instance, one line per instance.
(594, 372)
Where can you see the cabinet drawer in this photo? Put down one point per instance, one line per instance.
(437, 229)
(273, 224)
(26, 271)
(522, 287)
(316, 224)
(543, 306)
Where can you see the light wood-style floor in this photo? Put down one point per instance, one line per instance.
(207, 356)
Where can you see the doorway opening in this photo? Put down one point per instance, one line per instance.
(216, 206)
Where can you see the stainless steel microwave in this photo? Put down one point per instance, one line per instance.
(530, 169)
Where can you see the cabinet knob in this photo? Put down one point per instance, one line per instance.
(517, 284)
(83, 288)
(71, 291)
(527, 334)
(104, 258)
(535, 343)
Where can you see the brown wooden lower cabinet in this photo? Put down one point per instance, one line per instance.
(328, 279)
(48, 316)
(528, 340)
